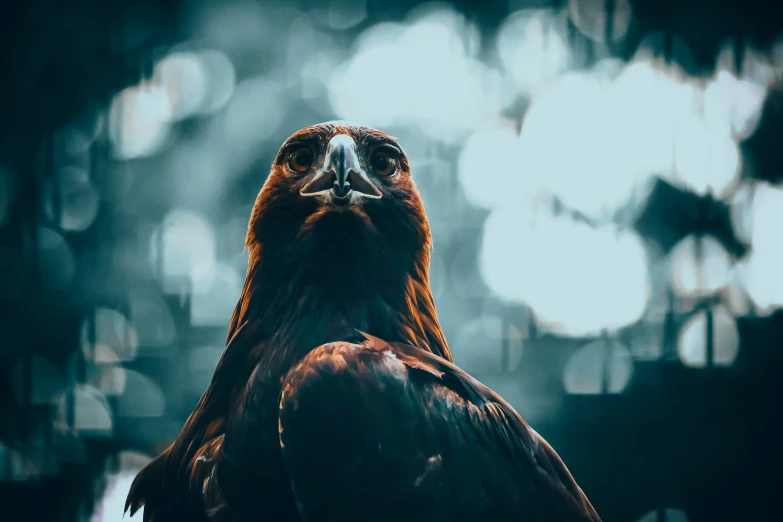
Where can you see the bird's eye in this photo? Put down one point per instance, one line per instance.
(383, 164)
(300, 160)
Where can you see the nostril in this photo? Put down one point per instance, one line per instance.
(340, 184)
(341, 190)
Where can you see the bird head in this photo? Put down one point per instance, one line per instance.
(340, 200)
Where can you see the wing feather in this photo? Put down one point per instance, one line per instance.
(402, 407)
(163, 485)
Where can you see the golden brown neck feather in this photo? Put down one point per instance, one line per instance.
(411, 317)
(260, 311)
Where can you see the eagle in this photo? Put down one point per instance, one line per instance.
(336, 398)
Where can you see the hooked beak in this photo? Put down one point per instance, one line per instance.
(341, 180)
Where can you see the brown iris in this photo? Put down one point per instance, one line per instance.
(383, 163)
(300, 160)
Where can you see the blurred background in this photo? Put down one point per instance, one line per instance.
(601, 176)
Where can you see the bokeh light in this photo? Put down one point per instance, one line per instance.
(214, 298)
(464, 280)
(591, 18)
(185, 80)
(253, 114)
(16, 467)
(452, 92)
(78, 136)
(756, 66)
(598, 367)
(489, 168)
(701, 266)
(55, 258)
(184, 246)
(110, 379)
(138, 120)
(649, 98)
(706, 158)
(600, 273)
(221, 80)
(532, 47)
(729, 101)
(184, 84)
(592, 140)
(71, 200)
(108, 337)
(692, 342)
(758, 272)
(479, 337)
(342, 14)
(316, 72)
(133, 460)
(141, 397)
(152, 321)
(308, 41)
(112, 505)
(741, 211)
(91, 412)
(735, 297)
